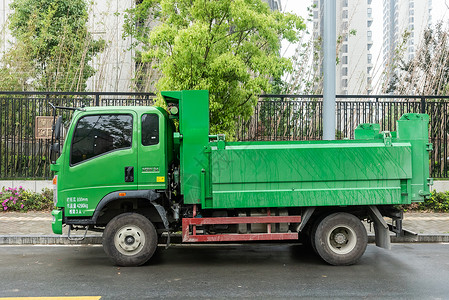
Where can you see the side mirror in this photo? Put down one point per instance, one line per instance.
(54, 152)
(58, 128)
(55, 148)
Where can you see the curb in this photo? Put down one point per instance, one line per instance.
(425, 238)
(97, 239)
(415, 238)
(37, 239)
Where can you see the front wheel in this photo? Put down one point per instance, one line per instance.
(341, 239)
(130, 239)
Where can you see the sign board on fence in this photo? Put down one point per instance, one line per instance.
(43, 127)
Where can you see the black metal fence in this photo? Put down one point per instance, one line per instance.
(24, 156)
(276, 117)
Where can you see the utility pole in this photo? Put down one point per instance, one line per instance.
(329, 50)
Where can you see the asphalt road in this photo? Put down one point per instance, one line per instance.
(266, 271)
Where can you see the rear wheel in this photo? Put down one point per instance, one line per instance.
(130, 239)
(340, 239)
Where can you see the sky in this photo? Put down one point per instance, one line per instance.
(440, 11)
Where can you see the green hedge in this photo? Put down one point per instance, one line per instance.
(438, 202)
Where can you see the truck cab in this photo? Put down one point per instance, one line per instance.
(130, 173)
(110, 154)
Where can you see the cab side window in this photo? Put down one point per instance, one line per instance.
(150, 129)
(98, 134)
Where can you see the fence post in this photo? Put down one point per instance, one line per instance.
(423, 105)
(97, 99)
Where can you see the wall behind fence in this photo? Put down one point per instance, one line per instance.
(276, 117)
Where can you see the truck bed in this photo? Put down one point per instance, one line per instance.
(313, 173)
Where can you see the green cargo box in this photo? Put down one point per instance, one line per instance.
(310, 174)
(376, 168)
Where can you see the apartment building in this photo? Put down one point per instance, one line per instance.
(404, 22)
(354, 42)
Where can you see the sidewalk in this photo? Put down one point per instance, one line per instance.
(35, 228)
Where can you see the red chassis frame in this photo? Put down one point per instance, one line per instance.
(269, 236)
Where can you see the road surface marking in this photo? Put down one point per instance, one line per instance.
(54, 298)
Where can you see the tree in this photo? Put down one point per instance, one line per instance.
(52, 48)
(428, 72)
(229, 47)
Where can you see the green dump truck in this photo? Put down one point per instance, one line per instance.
(127, 171)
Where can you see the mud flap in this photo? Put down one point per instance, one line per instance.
(162, 213)
(305, 217)
(381, 228)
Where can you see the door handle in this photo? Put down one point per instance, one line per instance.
(129, 174)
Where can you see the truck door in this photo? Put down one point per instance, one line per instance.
(152, 157)
(102, 159)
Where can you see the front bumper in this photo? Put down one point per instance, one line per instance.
(56, 225)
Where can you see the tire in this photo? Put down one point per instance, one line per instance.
(341, 239)
(130, 239)
(313, 232)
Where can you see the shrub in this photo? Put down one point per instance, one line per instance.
(18, 199)
(438, 202)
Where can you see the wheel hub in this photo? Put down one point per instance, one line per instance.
(340, 238)
(129, 240)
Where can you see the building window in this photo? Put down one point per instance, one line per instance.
(370, 12)
(369, 34)
(370, 58)
(344, 14)
(344, 60)
(344, 71)
(344, 3)
(344, 48)
(344, 83)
